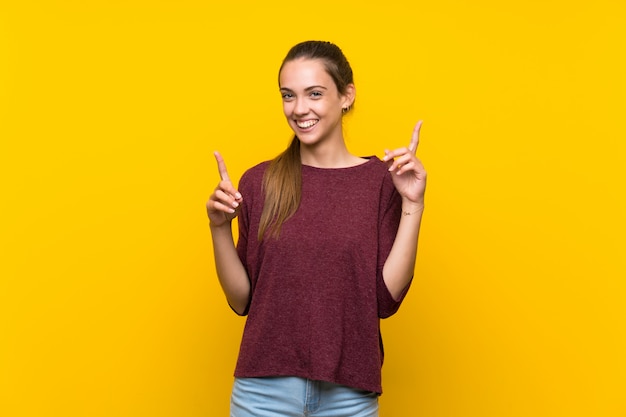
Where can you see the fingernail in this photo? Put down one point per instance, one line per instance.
(238, 195)
(235, 204)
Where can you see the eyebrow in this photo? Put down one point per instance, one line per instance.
(313, 87)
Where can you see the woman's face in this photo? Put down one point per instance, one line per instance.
(311, 102)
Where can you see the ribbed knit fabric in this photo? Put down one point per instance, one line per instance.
(317, 291)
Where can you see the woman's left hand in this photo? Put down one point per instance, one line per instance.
(408, 173)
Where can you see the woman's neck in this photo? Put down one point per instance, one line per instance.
(326, 156)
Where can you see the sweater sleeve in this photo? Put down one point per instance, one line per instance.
(390, 209)
(243, 220)
(243, 223)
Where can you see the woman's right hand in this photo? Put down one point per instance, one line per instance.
(223, 205)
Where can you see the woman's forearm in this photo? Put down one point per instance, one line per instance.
(230, 271)
(400, 264)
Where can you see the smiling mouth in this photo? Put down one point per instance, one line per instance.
(307, 123)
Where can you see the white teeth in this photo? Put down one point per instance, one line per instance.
(306, 124)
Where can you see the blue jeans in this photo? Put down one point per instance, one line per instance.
(299, 397)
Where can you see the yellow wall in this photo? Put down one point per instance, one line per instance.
(109, 113)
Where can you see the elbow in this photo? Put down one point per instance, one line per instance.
(240, 308)
(398, 288)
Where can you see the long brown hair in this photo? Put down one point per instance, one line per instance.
(282, 181)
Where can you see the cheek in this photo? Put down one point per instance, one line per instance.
(287, 108)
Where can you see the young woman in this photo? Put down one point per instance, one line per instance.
(326, 248)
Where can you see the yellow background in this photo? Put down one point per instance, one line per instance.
(110, 111)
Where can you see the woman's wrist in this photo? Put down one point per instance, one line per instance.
(413, 211)
(226, 225)
(410, 208)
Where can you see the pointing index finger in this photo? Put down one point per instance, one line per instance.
(415, 139)
(221, 166)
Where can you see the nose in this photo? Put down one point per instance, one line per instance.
(301, 107)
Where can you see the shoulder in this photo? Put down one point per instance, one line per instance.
(251, 186)
(378, 171)
(254, 175)
(258, 169)
(376, 165)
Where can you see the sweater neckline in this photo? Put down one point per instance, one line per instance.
(369, 160)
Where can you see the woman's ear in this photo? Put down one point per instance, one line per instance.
(349, 96)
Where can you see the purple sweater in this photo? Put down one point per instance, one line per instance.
(317, 291)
